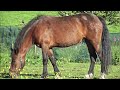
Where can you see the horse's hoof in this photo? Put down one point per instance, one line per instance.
(89, 76)
(103, 76)
(44, 77)
(58, 75)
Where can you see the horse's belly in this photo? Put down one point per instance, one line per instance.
(68, 41)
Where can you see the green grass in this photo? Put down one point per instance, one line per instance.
(114, 28)
(14, 18)
(68, 71)
(33, 67)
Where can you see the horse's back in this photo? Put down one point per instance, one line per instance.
(67, 30)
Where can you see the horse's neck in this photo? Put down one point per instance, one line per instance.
(26, 44)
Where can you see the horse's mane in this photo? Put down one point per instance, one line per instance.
(24, 31)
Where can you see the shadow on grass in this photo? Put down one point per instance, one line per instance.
(7, 76)
(4, 75)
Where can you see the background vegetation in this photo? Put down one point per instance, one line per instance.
(73, 61)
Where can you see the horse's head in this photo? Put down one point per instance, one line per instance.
(16, 63)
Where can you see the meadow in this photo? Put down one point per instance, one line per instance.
(73, 61)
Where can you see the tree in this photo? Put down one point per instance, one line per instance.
(112, 17)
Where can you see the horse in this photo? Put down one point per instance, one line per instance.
(47, 32)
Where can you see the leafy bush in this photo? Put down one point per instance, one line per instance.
(115, 55)
(77, 53)
(113, 17)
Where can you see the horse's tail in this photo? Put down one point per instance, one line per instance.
(106, 47)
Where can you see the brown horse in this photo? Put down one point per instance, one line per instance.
(47, 32)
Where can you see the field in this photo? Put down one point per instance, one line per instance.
(73, 62)
(15, 18)
(70, 67)
(18, 16)
(68, 71)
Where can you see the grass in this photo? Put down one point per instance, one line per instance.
(68, 71)
(33, 67)
(114, 28)
(15, 18)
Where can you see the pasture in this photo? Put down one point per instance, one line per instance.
(69, 70)
(73, 62)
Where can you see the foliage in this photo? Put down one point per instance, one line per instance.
(115, 55)
(19, 18)
(113, 17)
(76, 53)
(72, 59)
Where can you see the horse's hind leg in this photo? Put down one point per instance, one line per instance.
(53, 61)
(96, 45)
(93, 57)
(45, 50)
(103, 75)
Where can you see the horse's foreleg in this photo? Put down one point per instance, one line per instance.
(53, 62)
